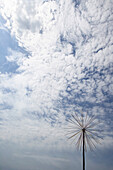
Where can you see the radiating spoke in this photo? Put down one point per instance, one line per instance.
(73, 131)
(73, 135)
(73, 128)
(79, 141)
(82, 119)
(90, 121)
(93, 134)
(76, 129)
(77, 120)
(74, 122)
(92, 125)
(88, 142)
(83, 132)
(85, 119)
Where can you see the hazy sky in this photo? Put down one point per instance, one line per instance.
(56, 58)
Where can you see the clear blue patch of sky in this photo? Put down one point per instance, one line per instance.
(8, 42)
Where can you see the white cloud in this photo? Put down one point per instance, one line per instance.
(36, 90)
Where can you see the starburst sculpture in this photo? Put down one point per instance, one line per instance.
(83, 130)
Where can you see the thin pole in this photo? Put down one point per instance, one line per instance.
(83, 149)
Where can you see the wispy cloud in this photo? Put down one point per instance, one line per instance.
(68, 68)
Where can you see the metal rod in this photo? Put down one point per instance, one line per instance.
(83, 149)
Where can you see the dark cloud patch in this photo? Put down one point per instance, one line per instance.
(5, 106)
(76, 3)
(64, 41)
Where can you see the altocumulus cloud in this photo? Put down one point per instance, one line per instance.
(69, 67)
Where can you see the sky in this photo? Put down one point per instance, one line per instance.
(56, 58)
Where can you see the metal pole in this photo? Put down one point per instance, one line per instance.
(83, 149)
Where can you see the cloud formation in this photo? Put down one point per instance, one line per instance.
(69, 68)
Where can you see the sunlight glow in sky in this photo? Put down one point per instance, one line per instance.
(56, 57)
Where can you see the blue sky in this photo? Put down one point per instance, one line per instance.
(56, 58)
